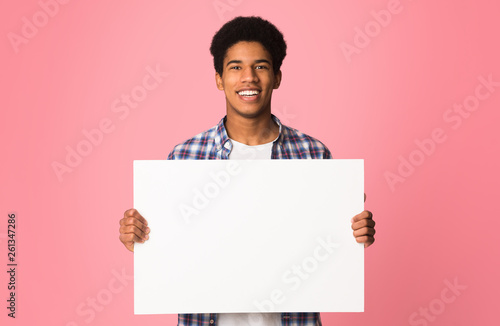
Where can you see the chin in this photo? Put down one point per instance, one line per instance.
(250, 113)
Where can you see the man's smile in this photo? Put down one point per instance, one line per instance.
(249, 94)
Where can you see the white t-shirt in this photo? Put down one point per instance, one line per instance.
(244, 152)
(253, 319)
(241, 151)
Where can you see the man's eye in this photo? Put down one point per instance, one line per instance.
(261, 67)
(235, 67)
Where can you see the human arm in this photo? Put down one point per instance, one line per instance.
(133, 228)
(363, 227)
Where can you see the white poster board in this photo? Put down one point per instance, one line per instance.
(236, 236)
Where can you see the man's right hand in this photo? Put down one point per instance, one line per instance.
(133, 228)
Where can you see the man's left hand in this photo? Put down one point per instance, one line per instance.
(364, 227)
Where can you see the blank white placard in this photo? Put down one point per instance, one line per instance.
(236, 236)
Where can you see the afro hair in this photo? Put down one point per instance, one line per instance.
(248, 29)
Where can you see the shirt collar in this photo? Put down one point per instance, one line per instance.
(221, 137)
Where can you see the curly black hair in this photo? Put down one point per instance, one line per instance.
(248, 29)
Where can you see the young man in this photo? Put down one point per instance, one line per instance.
(248, 53)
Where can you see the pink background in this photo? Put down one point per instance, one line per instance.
(439, 225)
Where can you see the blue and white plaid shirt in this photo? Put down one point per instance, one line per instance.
(214, 144)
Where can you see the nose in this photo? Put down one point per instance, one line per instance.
(249, 75)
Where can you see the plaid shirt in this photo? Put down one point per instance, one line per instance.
(214, 144)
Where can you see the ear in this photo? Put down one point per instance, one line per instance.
(277, 80)
(218, 81)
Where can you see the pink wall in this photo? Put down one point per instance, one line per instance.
(408, 93)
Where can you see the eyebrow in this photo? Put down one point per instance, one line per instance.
(256, 61)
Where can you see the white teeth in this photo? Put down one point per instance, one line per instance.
(248, 93)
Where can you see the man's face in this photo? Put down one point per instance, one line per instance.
(248, 79)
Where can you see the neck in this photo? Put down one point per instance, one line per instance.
(251, 131)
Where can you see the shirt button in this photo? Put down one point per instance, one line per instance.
(211, 321)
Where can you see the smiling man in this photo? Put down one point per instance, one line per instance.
(247, 79)
(248, 53)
